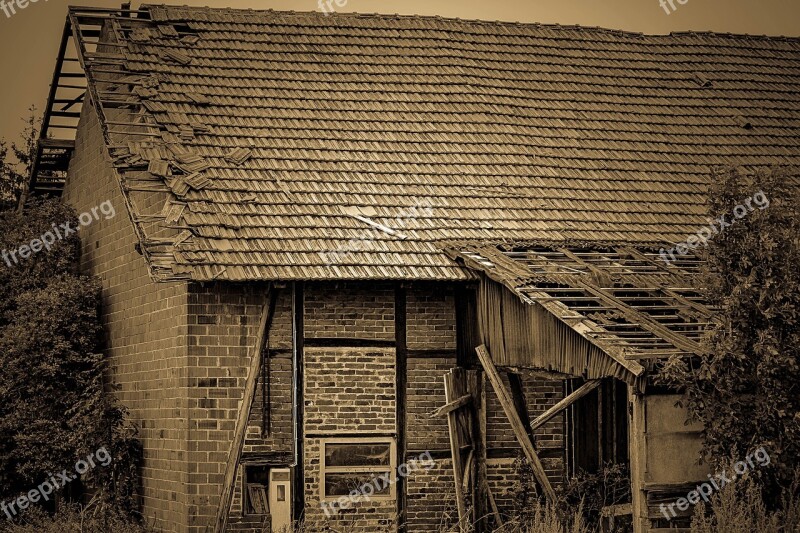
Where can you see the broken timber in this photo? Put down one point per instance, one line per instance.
(545, 417)
(516, 424)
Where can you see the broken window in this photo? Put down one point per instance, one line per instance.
(349, 465)
(255, 489)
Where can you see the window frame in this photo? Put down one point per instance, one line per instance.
(376, 469)
(246, 488)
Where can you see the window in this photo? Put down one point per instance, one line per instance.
(350, 464)
(256, 482)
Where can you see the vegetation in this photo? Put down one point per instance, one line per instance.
(92, 518)
(740, 508)
(14, 174)
(745, 390)
(53, 410)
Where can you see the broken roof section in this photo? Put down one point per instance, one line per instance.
(260, 133)
(630, 308)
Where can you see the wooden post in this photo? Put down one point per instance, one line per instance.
(481, 483)
(235, 452)
(638, 457)
(455, 449)
(516, 424)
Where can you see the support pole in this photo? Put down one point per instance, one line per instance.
(516, 424)
(235, 452)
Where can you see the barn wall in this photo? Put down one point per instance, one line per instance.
(145, 327)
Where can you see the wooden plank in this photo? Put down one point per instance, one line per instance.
(401, 391)
(481, 488)
(455, 451)
(452, 406)
(518, 395)
(516, 424)
(582, 391)
(235, 451)
(298, 370)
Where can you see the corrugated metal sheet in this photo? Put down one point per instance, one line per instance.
(588, 312)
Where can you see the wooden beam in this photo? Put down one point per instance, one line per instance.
(483, 497)
(516, 424)
(582, 391)
(298, 400)
(455, 451)
(452, 406)
(235, 452)
(518, 395)
(401, 391)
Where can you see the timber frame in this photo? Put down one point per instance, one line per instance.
(617, 312)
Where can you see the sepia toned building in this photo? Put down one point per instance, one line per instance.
(323, 215)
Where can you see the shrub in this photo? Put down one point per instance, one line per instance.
(93, 518)
(740, 508)
(744, 390)
(53, 410)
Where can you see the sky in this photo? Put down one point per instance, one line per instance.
(29, 38)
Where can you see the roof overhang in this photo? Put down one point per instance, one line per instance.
(629, 303)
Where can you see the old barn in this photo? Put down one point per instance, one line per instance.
(327, 217)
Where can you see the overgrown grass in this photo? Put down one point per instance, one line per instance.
(740, 508)
(95, 517)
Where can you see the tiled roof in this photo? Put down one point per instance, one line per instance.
(312, 146)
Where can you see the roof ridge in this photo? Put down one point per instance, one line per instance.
(554, 26)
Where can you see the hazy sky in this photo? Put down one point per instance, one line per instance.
(29, 39)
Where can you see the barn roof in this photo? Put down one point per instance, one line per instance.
(281, 145)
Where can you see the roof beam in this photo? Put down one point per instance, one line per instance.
(516, 423)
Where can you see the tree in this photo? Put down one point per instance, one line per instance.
(14, 175)
(53, 410)
(746, 391)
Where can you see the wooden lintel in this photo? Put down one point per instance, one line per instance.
(516, 424)
(452, 406)
(582, 391)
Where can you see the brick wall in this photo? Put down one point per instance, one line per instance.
(145, 327)
(431, 315)
(223, 328)
(431, 500)
(349, 310)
